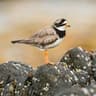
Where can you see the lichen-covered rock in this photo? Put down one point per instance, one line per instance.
(72, 76)
(48, 80)
(89, 90)
(82, 78)
(9, 89)
(77, 59)
(93, 67)
(14, 70)
(93, 57)
(10, 72)
(73, 91)
(94, 71)
(77, 91)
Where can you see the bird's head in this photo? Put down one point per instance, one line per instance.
(61, 24)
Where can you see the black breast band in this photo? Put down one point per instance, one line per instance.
(60, 33)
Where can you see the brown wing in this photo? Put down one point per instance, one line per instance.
(43, 32)
(44, 37)
(40, 39)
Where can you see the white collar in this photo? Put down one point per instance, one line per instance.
(61, 28)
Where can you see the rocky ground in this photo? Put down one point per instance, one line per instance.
(73, 75)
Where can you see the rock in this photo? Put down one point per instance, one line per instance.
(93, 57)
(89, 90)
(93, 67)
(48, 80)
(94, 71)
(12, 71)
(84, 79)
(77, 91)
(72, 76)
(73, 91)
(77, 59)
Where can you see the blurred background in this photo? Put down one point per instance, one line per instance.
(19, 19)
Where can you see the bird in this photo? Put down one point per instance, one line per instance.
(47, 37)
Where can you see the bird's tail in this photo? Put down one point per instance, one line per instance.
(21, 41)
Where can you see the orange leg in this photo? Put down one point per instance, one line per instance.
(46, 57)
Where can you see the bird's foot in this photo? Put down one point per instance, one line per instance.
(49, 62)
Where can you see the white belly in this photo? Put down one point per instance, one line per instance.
(57, 42)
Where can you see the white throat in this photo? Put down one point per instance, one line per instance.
(61, 28)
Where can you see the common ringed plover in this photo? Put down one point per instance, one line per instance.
(48, 37)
